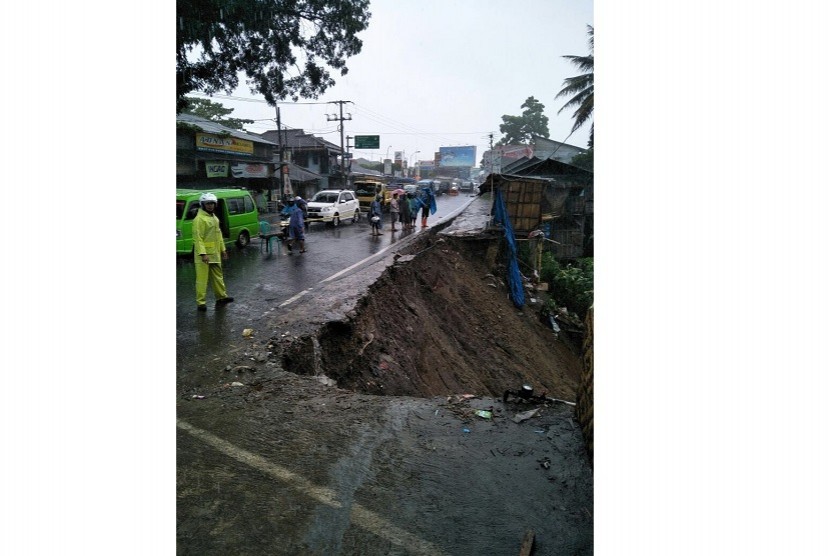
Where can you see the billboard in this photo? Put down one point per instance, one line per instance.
(458, 156)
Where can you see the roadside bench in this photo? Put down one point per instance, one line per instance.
(266, 234)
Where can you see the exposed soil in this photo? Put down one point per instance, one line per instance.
(439, 323)
(437, 336)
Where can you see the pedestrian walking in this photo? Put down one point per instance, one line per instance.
(208, 252)
(296, 226)
(394, 210)
(376, 216)
(405, 213)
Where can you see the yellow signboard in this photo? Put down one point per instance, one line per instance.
(217, 144)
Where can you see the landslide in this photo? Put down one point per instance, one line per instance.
(437, 322)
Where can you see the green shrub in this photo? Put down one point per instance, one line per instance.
(571, 286)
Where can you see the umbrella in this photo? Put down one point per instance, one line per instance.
(399, 191)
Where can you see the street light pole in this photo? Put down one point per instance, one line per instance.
(411, 157)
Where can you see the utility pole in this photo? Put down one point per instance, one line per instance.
(282, 150)
(349, 138)
(334, 118)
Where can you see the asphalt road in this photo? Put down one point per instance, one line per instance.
(260, 283)
(282, 464)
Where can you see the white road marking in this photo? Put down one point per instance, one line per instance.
(295, 298)
(357, 264)
(359, 515)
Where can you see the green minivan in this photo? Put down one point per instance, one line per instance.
(235, 209)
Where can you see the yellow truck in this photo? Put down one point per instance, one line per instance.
(366, 189)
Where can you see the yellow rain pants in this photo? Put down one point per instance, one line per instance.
(207, 240)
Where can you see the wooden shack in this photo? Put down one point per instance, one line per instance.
(561, 208)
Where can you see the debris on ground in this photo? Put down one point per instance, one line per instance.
(525, 415)
(527, 543)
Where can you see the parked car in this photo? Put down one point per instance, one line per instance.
(333, 206)
(236, 210)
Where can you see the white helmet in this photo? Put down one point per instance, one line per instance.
(207, 198)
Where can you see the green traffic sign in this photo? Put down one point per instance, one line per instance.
(367, 141)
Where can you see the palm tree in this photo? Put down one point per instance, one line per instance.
(581, 89)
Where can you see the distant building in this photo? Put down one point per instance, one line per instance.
(310, 153)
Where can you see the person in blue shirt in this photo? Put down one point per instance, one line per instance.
(288, 209)
(376, 216)
(428, 205)
(296, 226)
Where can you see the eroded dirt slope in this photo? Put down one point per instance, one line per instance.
(436, 323)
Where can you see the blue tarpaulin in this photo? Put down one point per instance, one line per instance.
(514, 277)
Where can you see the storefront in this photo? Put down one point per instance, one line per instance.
(212, 156)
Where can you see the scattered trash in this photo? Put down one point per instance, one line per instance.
(553, 324)
(237, 384)
(465, 430)
(322, 379)
(539, 432)
(484, 414)
(545, 463)
(198, 397)
(524, 416)
(457, 398)
(248, 332)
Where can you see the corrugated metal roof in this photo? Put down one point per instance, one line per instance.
(298, 173)
(213, 127)
(298, 139)
(358, 169)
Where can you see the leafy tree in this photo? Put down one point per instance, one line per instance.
(584, 161)
(285, 47)
(213, 111)
(581, 89)
(518, 129)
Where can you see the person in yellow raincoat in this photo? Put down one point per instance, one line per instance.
(208, 246)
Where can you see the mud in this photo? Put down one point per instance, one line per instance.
(367, 390)
(434, 324)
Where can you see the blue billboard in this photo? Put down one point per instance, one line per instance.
(458, 156)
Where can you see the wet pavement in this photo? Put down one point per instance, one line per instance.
(262, 283)
(299, 468)
(269, 462)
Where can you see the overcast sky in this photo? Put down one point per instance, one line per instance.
(438, 73)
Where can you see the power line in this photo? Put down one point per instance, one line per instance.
(257, 100)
